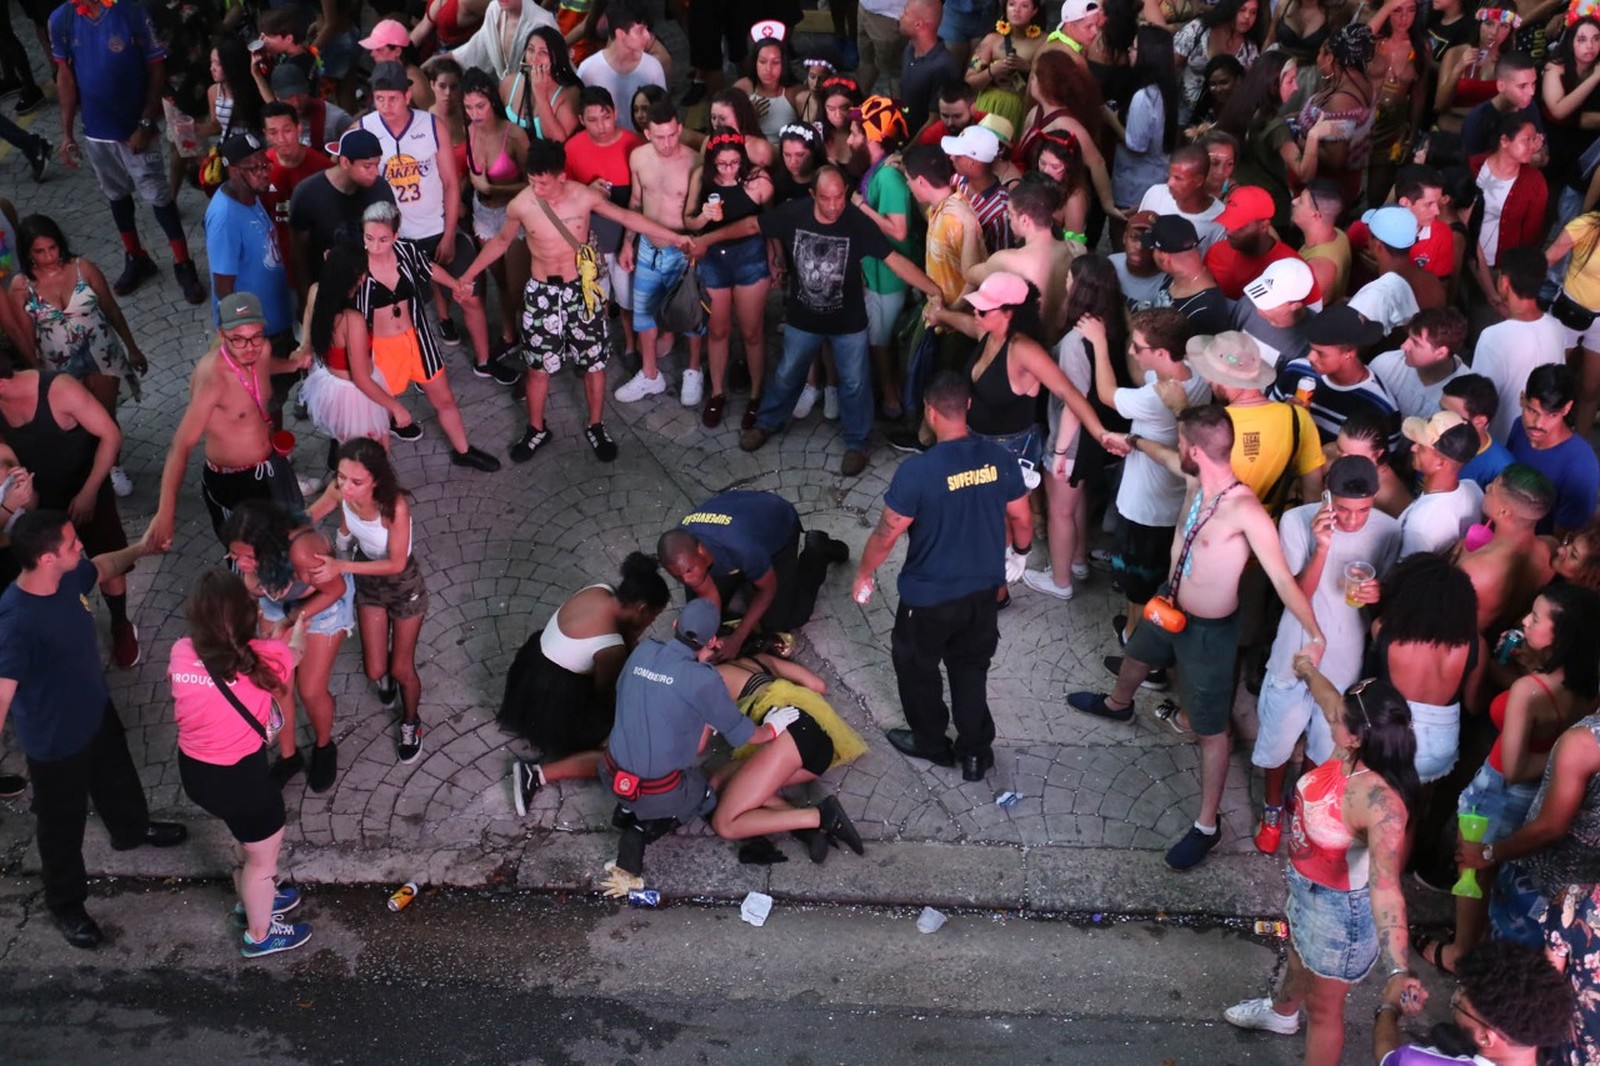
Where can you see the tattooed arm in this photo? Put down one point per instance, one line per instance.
(1378, 812)
(890, 526)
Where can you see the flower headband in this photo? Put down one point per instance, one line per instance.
(798, 129)
(724, 140)
(1500, 14)
(825, 64)
(839, 81)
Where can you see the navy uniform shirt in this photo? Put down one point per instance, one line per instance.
(49, 646)
(955, 494)
(664, 698)
(743, 530)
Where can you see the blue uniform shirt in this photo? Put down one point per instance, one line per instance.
(743, 530)
(955, 494)
(50, 648)
(664, 698)
(110, 58)
(242, 242)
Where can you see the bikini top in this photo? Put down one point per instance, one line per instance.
(337, 359)
(759, 680)
(504, 169)
(1497, 715)
(523, 121)
(400, 296)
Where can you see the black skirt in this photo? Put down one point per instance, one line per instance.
(559, 711)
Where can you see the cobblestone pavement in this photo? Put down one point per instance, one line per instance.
(1101, 801)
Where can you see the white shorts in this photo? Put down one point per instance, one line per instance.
(883, 311)
(1286, 711)
(120, 171)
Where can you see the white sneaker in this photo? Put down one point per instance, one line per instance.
(830, 403)
(1258, 1014)
(693, 388)
(121, 483)
(1042, 581)
(638, 387)
(807, 400)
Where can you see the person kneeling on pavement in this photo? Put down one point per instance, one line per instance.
(670, 700)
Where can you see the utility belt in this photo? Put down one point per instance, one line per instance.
(631, 786)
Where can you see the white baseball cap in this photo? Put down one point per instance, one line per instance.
(1073, 10)
(1284, 281)
(974, 142)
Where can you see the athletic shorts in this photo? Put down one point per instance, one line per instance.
(122, 171)
(1142, 557)
(816, 749)
(1204, 653)
(655, 272)
(271, 479)
(399, 360)
(558, 329)
(402, 595)
(459, 260)
(103, 531)
(243, 795)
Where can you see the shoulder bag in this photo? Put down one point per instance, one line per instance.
(269, 732)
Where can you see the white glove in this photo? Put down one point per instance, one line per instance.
(781, 718)
(1016, 565)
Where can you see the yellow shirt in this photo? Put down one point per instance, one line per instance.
(955, 242)
(1336, 251)
(1261, 441)
(1583, 283)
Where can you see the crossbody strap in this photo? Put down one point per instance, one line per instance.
(255, 723)
(560, 226)
(1188, 541)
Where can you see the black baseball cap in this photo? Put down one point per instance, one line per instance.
(1342, 326)
(1171, 233)
(357, 144)
(1353, 477)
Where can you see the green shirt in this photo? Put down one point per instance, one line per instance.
(888, 194)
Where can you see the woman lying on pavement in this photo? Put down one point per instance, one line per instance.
(748, 804)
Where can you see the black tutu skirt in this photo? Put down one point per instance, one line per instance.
(559, 711)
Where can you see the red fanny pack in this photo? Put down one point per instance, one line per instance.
(631, 786)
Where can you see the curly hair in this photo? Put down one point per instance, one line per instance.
(1353, 46)
(1427, 600)
(265, 526)
(1516, 990)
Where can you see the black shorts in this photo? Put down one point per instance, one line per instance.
(1143, 554)
(816, 747)
(243, 795)
(271, 479)
(460, 258)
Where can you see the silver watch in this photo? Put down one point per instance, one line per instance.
(1488, 853)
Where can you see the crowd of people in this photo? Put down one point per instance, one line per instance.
(1301, 299)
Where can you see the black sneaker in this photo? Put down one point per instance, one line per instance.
(476, 458)
(388, 692)
(906, 440)
(39, 158)
(526, 781)
(530, 441)
(837, 824)
(324, 767)
(1119, 622)
(12, 786)
(189, 282)
(1155, 680)
(605, 449)
(501, 375)
(1192, 849)
(409, 746)
(136, 270)
(399, 432)
(449, 335)
(1095, 703)
(30, 99)
(285, 768)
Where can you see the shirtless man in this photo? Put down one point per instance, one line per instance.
(1225, 525)
(228, 408)
(661, 169)
(1042, 259)
(1510, 570)
(564, 308)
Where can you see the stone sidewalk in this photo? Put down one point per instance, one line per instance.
(1101, 801)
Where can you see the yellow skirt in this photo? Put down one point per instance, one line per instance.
(847, 743)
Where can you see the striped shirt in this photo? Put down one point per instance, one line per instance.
(990, 207)
(417, 268)
(1332, 405)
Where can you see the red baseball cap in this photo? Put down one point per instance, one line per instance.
(1246, 204)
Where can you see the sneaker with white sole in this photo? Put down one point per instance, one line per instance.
(1258, 1014)
(807, 400)
(830, 403)
(121, 483)
(281, 936)
(638, 387)
(284, 900)
(692, 391)
(1043, 581)
(409, 746)
(527, 778)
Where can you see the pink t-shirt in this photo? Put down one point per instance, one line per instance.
(209, 728)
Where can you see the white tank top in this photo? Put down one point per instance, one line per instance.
(369, 533)
(575, 653)
(411, 167)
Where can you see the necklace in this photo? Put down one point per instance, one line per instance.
(251, 383)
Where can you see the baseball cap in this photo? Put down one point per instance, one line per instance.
(1246, 204)
(974, 142)
(1343, 327)
(698, 622)
(1282, 282)
(1353, 477)
(1231, 358)
(881, 118)
(357, 144)
(1445, 432)
(390, 76)
(1073, 10)
(999, 289)
(241, 146)
(1394, 226)
(289, 80)
(239, 309)
(1171, 233)
(387, 34)
(999, 125)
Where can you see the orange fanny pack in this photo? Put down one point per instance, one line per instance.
(1163, 613)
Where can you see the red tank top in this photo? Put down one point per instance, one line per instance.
(1497, 715)
(1321, 846)
(338, 359)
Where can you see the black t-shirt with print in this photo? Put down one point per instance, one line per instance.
(825, 287)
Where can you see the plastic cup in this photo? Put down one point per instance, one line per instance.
(283, 442)
(1473, 826)
(930, 920)
(1355, 575)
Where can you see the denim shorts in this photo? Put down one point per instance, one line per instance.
(735, 263)
(1438, 733)
(1331, 928)
(883, 311)
(339, 617)
(1505, 805)
(655, 272)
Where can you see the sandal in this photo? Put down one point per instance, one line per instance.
(711, 417)
(1435, 958)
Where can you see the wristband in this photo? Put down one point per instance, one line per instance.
(1397, 971)
(1382, 1008)
(1028, 549)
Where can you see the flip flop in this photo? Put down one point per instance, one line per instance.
(1435, 958)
